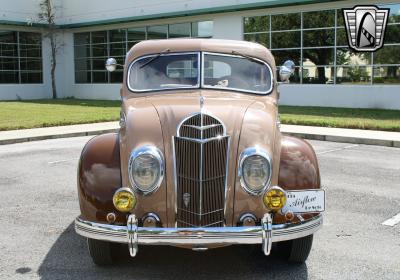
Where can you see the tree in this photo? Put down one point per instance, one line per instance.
(47, 16)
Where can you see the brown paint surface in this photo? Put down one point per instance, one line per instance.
(152, 119)
(98, 177)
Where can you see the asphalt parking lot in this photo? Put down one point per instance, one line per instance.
(38, 202)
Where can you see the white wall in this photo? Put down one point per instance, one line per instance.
(78, 11)
(96, 91)
(228, 27)
(350, 96)
(24, 91)
(25, 10)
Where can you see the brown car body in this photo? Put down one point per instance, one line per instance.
(152, 118)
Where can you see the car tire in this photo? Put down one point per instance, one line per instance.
(296, 250)
(100, 251)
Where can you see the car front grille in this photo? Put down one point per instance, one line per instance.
(201, 151)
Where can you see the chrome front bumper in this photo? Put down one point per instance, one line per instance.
(197, 237)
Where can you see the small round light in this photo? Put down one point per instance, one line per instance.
(111, 218)
(150, 220)
(124, 200)
(289, 216)
(275, 198)
(248, 220)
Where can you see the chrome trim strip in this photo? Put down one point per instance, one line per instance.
(198, 236)
(236, 89)
(201, 168)
(155, 152)
(202, 127)
(252, 151)
(204, 140)
(166, 88)
(175, 181)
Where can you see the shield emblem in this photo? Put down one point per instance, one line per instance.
(365, 26)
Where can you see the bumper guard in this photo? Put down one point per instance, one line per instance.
(134, 235)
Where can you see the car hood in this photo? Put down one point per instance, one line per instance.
(154, 120)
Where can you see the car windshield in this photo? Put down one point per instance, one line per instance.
(165, 71)
(220, 71)
(236, 72)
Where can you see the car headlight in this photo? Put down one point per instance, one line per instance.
(255, 170)
(146, 169)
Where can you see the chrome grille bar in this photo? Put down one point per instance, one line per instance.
(201, 152)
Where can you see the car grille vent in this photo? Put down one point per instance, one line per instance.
(201, 155)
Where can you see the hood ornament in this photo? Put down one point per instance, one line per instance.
(201, 103)
(186, 199)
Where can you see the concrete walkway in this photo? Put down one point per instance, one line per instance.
(357, 136)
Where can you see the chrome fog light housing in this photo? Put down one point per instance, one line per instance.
(146, 169)
(255, 170)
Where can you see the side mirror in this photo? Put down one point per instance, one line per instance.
(286, 70)
(111, 64)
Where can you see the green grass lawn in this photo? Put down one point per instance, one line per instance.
(49, 112)
(43, 113)
(341, 117)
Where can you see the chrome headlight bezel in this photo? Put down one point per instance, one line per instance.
(155, 153)
(249, 152)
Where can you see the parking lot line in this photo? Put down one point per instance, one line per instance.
(60, 161)
(392, 221)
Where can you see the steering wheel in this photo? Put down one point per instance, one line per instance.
(235, 82)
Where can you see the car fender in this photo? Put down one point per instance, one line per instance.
(99, 176)
(298, 165)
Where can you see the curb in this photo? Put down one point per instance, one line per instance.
(309, 136)
(346, 139)
(55, 136)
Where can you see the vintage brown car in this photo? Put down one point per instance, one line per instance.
(199, 160)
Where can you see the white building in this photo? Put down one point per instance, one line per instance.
(309, 32)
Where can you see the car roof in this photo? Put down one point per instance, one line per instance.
(207, 45)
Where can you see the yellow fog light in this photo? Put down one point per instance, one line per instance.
(275, 198)
(124, 200)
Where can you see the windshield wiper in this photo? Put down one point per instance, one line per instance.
(245, 56)
(154, 58)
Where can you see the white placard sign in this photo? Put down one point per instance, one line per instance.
(305, 201)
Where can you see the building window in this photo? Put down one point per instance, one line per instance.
(20, 57)
(91, 49)
(317, 42)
